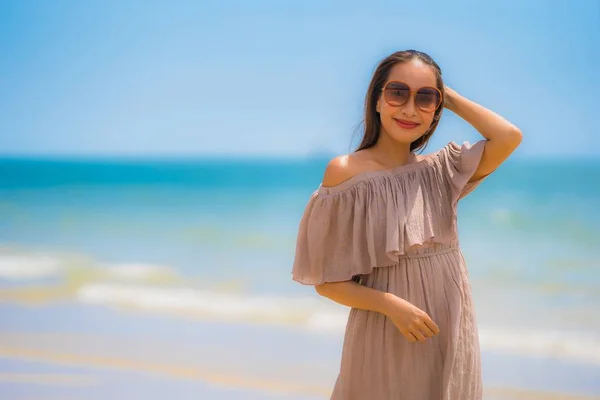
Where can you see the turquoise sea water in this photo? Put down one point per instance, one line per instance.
(214, 239)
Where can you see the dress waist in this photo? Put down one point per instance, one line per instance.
(429, 249)
(419, 251)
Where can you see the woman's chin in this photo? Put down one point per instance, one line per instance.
(403, 137)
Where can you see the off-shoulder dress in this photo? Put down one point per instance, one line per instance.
(397, 230)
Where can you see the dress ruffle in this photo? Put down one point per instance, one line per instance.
(461, 164)
(375, 217)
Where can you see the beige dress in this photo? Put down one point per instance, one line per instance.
(397, 229)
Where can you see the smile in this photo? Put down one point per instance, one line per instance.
(406, 124)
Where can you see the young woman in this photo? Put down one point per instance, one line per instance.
(379, 235)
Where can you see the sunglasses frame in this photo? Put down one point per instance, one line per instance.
(413, 94)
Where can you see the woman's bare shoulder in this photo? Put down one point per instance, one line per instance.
(344, 167)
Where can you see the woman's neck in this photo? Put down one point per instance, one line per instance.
(391, 153)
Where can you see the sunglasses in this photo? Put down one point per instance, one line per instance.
(397, 93)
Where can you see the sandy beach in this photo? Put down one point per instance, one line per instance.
(74, 351)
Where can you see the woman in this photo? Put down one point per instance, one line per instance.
(379, 235)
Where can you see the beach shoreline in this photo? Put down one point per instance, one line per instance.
(229, 357)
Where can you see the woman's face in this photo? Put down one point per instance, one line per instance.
(407, 122)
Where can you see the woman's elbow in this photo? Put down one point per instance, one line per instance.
(322, 289)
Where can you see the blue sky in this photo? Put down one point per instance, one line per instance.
(282, 78)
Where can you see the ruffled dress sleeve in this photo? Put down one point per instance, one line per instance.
(461, 163)
(371, 220)
(333, 239)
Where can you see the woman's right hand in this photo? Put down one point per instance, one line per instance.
(411, 321)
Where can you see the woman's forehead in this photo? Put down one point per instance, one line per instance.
(414, 73)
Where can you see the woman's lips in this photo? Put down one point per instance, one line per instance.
(406, 124)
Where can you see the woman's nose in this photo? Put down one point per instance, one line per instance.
(409, 107)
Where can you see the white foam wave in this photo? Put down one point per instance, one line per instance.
(136, 271)
(332, 321)
(187, 300)
(573, 345)
(29, 267)
(323, 318)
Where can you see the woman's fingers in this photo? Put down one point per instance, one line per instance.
(419, 335)
(427, 331)
(409, 336)
(431, 325)
(429, 328)
(419, 330)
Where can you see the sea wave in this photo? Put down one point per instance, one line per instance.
(23, 267)
(189, 301)
(323, 318)
(161, 289)
(137, 271)
(27, 267)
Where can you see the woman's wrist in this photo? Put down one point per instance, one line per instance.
(389, 302)
(449, 98)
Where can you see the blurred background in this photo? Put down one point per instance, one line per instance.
(156, 158)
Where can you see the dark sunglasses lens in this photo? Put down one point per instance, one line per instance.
(397, 93)
(427, 99)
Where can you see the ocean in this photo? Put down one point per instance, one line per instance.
(212, 240)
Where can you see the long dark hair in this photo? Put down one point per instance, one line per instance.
(372, 123)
